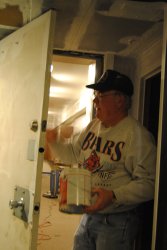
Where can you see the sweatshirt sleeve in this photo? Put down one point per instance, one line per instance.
(140, 163)
(67, 152)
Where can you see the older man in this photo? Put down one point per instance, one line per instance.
(121, 155)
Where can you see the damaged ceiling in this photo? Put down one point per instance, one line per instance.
(96, 26)
(88, 26)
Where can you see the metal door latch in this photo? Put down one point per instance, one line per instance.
(20, 203)
(15, 204)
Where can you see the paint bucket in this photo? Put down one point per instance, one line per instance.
(75, 190)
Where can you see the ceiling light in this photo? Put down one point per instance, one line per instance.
(62, 77)
(91, 73)
(56, 91)
(51, 68)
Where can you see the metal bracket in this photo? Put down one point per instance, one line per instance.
(34, 125)
(20, 204)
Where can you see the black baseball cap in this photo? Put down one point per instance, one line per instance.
(113, 80)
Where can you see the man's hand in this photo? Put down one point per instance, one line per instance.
(51, 135)
(48, 154)
(54, 135)
(104, 198)
(64, 132)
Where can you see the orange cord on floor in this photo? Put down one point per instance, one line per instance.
(41, 234)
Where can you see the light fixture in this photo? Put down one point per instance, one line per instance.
(56, 91)
(51, 68)
(62, 77)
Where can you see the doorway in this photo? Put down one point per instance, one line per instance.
(151, 100)
(68, 79)
(151, 104)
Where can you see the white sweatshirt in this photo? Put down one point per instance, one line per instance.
(121, 158)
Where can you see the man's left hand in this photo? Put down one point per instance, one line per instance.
(104, 198)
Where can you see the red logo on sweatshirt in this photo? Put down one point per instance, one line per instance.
(92, 163)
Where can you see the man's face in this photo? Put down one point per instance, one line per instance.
(107, 105)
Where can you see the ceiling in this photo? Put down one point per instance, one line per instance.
(91, 26)
(97, 26)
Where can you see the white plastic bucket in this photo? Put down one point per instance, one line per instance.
(75, 190)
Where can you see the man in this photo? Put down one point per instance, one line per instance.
(121, 155)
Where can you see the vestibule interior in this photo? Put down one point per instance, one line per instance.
(75, 110)
(70, 106)
(140, 58)
(70, 102)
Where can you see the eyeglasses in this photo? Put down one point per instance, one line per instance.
(100, 96)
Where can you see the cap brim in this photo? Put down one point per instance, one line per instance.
(98, 86)
(92, 86)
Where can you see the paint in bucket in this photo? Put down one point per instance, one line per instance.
(75, 190)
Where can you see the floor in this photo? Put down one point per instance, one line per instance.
(56, 229)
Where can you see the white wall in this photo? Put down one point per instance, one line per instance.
(145, 59)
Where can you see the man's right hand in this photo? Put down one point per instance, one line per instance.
(54, 135)
(51, 135)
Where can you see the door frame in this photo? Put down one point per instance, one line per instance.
(146, 209)
(160, 199)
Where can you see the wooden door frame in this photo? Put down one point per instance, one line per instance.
(159, 239)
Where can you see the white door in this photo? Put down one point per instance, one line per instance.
(25, 59)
